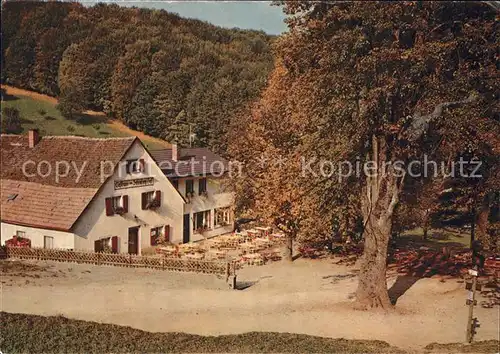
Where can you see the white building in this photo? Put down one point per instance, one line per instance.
(199, 176)
(87, 193)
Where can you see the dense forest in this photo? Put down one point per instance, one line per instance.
(158, 72)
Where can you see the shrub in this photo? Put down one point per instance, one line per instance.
(42, 112)
(70, 128)
(11, 121)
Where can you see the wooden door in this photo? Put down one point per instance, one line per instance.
(133, 240)
(186, 229)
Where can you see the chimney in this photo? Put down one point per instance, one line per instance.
(175, 155)
(33, 138)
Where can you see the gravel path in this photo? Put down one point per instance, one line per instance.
(309, 297)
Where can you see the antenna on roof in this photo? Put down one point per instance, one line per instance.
(192, 135)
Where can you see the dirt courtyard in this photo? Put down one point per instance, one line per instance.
(309, 297)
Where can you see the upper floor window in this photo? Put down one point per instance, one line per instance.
(116, 205)
(189, 187)
(202, 186)
(135, 166)
(151, 200)
(175, 183)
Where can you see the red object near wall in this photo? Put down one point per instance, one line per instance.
(158, 197)
(18, 242)
(167, 233)
(109, 207)
(125, 203)
(114, 244)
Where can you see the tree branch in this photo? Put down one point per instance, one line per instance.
(420, 123)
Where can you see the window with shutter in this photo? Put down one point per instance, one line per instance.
(151, 200)
(155, 235)
(133, 166)
(117, 205)
(142, 165)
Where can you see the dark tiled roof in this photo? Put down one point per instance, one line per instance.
(48, 202)
(73, 150)
(191, 162)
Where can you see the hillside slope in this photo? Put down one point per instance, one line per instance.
(153, 70)
(39, 111)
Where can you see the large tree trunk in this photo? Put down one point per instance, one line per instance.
(379, 198)
(372, 286)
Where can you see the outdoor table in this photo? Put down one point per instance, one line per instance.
(263, 241)
(248, 247)
(264, 230)
(253, 258)
(217, 254)
(194, 255)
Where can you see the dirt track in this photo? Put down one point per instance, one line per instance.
(309, 297)
(113, 123)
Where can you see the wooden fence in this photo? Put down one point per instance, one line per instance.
(124, 260)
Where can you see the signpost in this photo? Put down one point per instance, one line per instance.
(472, 323)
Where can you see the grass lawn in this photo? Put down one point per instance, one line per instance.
(437, 238)
(46, 117)
(38, 334)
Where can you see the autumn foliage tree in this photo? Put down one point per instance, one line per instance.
(376, 83)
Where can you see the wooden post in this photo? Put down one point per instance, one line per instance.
(471, 300)
(98, 258)
(163, 262)
(228, 267)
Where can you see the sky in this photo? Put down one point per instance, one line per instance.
(258, 15)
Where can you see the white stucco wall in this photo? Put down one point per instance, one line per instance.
(217, 197)
(64, 240)
(94, 224)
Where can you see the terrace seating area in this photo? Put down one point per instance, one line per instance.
(249, 247)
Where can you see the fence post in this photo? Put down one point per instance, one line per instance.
(130, 259)
(163, 261)
(98, 258)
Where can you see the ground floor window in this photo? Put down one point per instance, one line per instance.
(223, 216)
(21, 234)
(103, 245)
(48, 242)
(201, 221)
(155, 235)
